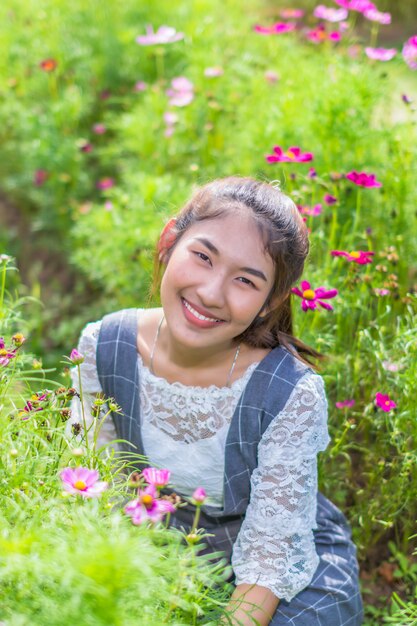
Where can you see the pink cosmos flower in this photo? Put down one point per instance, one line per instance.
(329, 14)
(358, 256)
(380, 54)
(105, 183)
(319, 34)
(345, 404)
(140, 85)
(164, 34)
(76, 357)
(384, 402)
(99, 129)
(199, 495)
(158, 478)
(271, 76)
(40, 177)
(181, 92)
(313, 297)
(148, 507)
(292, 155)
(390, 366)
(362, 179)
(410, 52)
(170, 120)
(312, 173)
(329, 199)
(406, 99)
(291, 14)
(377, 16)
(213, 72)
(312, 211)
(356, 5)
(276, 29)
(86, 147)
(5, 355)
(381, 292)
(82, 481)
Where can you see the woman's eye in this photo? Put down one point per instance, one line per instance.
(202, 256)
(246, 281)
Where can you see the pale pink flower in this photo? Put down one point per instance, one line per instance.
(313, 297)
(356, 5)
(381, 292)
(330, 14)
(213, 72)
(380, 54)
(105, 183)
(164, 34)
(159, 478)
(384, 402)
(76, 358)
(291, 14)
(181, 92)
(199, 495)
(292, 155)
(410, 52)
(377, 16)
(276, 29)
(99, 129)
(82, 481)
(362, 257)
(312, 211)
(148, 507)
(345, 404)
(140, 86)
(362, 179)
(390, 366)
(271, 76)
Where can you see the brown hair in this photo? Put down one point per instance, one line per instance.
(286, 240)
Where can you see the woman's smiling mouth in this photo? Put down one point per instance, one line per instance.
(198, 318)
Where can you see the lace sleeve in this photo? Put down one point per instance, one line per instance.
(275, 546)
(90, 384)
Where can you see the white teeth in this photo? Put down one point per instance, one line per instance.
(198, 315)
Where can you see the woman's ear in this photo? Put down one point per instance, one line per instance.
(167, 239)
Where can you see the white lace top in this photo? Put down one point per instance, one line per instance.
(184, 429)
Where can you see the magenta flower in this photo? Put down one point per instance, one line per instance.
(276, 29)
(148, 507)
(292, 155)
(312, 211)
(76, 358)
(158, 478)
(312, 173)
(319, 34)
(329, 14)
(377, 16)
(213, 72)
(345, 404)
(362, 179)
(40, 177)
(99, 129)
(164, 34)
(199, 496)
(181, 92)
(356, 5)
(82, 481)
(291, 14)
(406, 99)
(410, 52)
(384, 402)
(105, 183)
(5, 355)
(140, 85)
(380, 54)
(313, 297)
(381, 292)
(358, 256)
(329, 199)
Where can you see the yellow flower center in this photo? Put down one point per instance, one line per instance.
(309, 294)
(3, 352)
(290, 154)
(147, 500)
(80, 484)
(355, 254)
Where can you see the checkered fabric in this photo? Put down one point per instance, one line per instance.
(333, 597)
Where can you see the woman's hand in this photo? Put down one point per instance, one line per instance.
(250, 605)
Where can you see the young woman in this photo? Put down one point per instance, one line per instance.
(214, 387)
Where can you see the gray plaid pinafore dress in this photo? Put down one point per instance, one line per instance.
(333, 596)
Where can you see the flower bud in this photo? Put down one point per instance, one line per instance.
(77, 452)
(199, 496)
(76, 358)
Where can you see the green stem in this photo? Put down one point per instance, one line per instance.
(82, 408)
(3, 287)
(196, 519)
(358, 210)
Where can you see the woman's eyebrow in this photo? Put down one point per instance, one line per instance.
(249, 270)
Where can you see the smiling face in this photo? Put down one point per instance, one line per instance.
(216, 281)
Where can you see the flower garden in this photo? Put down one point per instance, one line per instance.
(111, 113)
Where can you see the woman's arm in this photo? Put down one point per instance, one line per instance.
(251, 604)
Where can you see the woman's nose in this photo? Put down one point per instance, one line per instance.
(211, 292)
